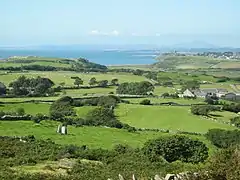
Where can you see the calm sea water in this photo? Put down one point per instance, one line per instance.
(98, 56)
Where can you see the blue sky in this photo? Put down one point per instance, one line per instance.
(26, 22)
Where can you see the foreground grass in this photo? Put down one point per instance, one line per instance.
(165, 117)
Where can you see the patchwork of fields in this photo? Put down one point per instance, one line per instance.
(174, 118)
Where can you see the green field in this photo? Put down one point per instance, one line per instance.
(159, 90)
(165, 117)
(59, 77)
(30, 108)
(92, 91)
(42, 63)
(223, 116)
(82, 111)
(217, 85)
(94, 137)
(22, 99)
(186, 76)
(194, 62)
(165, 100)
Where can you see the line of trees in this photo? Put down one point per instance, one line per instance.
(93, 82)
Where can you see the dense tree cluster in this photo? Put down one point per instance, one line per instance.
(103, 83)
(24, 86)
(82, 65)
(102, 116)
(211, 99)
(62, 108)
(203, 110)
(191, 85)
(152, 75)
(3, 89)
(105, 101)
(135, 88)
(175, 148)
(172, 96)
(232, 107)
(236, 121)
(223, 138)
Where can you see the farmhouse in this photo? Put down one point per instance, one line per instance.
(231, 97)
(201, 93)
(218, 91)
(187, 93)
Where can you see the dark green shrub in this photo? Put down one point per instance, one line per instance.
(223, 138)
(236, 121)
(145, 102)
(20, 111)
(174, 148)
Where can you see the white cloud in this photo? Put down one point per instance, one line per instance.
(94, 32)
(115, 33)
(100, 33)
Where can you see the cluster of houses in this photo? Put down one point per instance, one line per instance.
(220, 93)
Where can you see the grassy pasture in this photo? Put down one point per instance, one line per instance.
(6, 100)
(82, 111)
(176, 76)
(34, 108)
(134, 67)
(30, 108)
(165, 117)
(59, 77)
(43, 63)
(223, 116)
(93, 91)
(217, 85)
(164, 100)
(93, 137)
(228, 65)
(195, 62)
(159, 90)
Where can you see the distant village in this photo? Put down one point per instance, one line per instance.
(219, 55)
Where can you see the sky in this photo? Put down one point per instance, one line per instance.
(162, 22)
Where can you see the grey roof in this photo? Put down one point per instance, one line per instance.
(200, 93)
(209, 90)
(214, 90)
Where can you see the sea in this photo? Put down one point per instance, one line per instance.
(105, 57)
